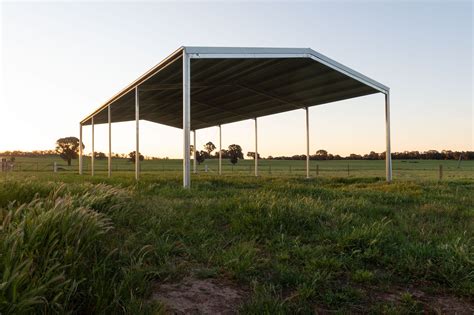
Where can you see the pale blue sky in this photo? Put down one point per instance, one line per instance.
(61, 60)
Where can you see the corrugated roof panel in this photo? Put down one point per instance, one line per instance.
(228, 88)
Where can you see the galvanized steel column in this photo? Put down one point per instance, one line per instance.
(256, 148)
(388, 153)
(194, 152)
(220, 150)
(137, 133)
(80, 149)
(110, 142)
(93, 152)
(307, 142)
(186, 119)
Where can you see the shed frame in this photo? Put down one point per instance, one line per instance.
(333, 81)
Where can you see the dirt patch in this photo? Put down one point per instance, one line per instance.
(431, 303)
(200, 296)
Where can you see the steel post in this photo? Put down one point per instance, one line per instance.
(186, 119)
(220, 149)
(80, 150)
(194, 153)
(256, 148)
(388, 152)
(307, 142)
(137, 133)
(93, 152)
(109, 164)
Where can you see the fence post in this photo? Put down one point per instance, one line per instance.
(440, 172)
(348, 171)
(290, 169)
(55, 167)
(270, 169)
(317, 169)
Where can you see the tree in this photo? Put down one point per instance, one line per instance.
(100, 155)
(205, 155)
(200, 156)
(371, 156)
(225, 154)
(354, 156)
(209, 147)
(433, 155)
(68, 148)
(321, 155)
(132, 156)
(235, 153)
(252, 155)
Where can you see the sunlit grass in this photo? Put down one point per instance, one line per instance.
(95, 245)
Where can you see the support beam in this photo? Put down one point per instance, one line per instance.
(93, 152)
(388, 152)
(137, 133)
(220, 150)
(80, 149)
(186, 119)
(307, 142)
(194, 153)
(165, 87)
(109, 164)
(256, 148)
(271, 96)
(233, 112)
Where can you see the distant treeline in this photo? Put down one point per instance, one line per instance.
(319, 155)
(405, 155)
(53, 153)
(36, 153)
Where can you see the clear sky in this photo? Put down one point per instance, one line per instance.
(61, 60)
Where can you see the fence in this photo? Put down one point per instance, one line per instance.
(410, 170)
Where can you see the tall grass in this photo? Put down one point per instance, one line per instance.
(95, 245)
(47, 248)
(55, 253)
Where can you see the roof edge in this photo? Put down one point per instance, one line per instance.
(176, 54)
(298, 52)
(234, 52)
(384, 89)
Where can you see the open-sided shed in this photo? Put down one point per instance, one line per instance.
(200, 87)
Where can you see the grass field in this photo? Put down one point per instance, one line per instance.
(411, 170)
(77, 244)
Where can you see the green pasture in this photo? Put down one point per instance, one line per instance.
(402, 169)
(75, 244)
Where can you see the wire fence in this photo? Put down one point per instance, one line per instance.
(410, 170)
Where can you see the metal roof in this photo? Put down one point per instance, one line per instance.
(230, 84)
